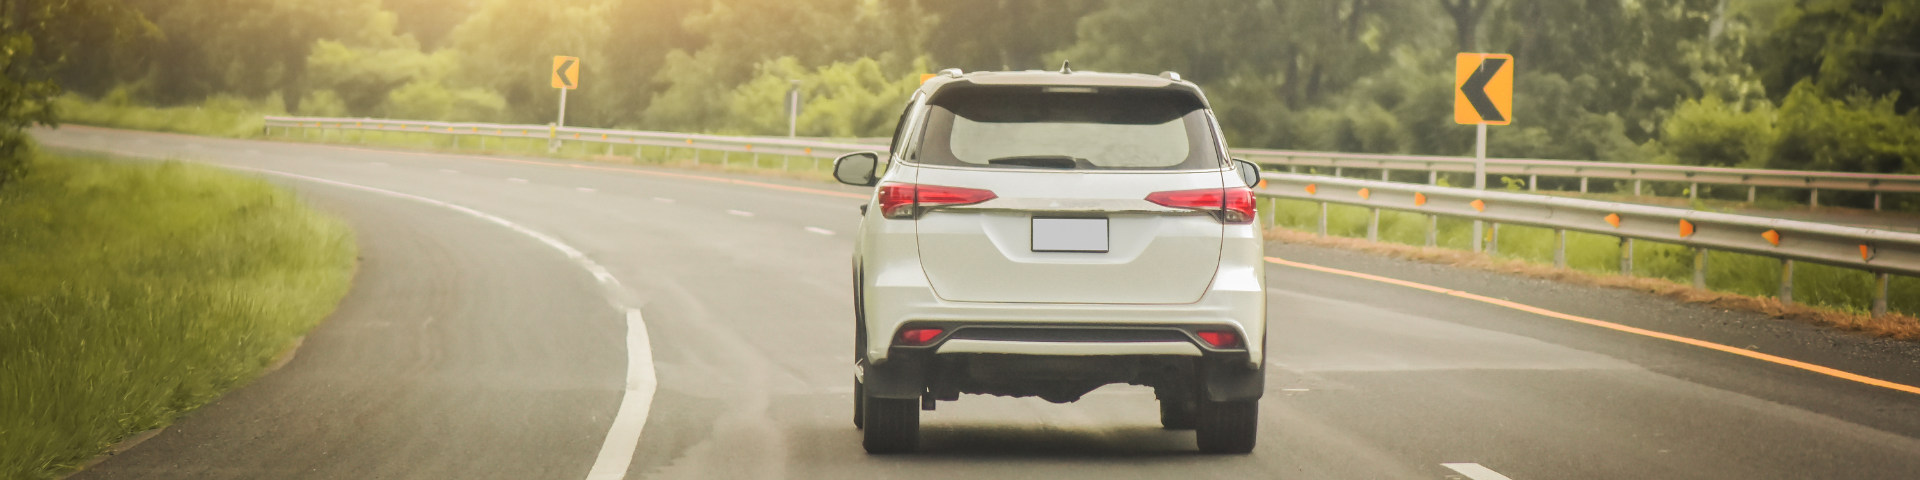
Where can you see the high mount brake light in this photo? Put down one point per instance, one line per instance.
(919, 336)
(904, 200)
(1231, 205)
(1219, 339)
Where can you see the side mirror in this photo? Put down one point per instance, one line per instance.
(857, 168)
(1249, 172)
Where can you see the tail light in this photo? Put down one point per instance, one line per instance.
(918, 336)
(904, 200)
(1231, 205)
(1220, 339)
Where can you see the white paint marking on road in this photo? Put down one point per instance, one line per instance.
(616, 453)
(517, 180)
(739, 213)
(819, 230)
(253, 152)
(1475, 471)
(663, 200)
(1295, 390)
(450, 171)
(379, 164)
(585, 189)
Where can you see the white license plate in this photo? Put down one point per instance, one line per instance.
(1070, 235)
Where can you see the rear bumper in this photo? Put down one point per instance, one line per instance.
(1236, 300)
(969, 359)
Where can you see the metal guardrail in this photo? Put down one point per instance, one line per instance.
(1876, 251)
(758, 145)
(1638, 173)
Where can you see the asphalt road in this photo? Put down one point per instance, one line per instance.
(468, 349)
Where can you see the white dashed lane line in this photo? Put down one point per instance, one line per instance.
(663, 200)
(1475, 471)
(379, 164)
(819, 230)
(517, 180)
(450, 171)
(585, 189)
(739, 213)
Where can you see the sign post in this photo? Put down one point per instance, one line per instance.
(793, 109)
(1483, 95)
(566, 76)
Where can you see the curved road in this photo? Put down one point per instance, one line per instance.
(468, 349)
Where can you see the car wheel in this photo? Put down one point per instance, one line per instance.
(1227, 427)
(859, 404)
(892, 425)
(1178, 414)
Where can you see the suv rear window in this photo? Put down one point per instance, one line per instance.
(1067, 128)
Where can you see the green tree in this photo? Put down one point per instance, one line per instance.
(36, 39)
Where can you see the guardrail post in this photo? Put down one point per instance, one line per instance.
(1876, 201)
(1700, 267)
(1493, 239)
(1337, 171)
(1293, 169)
(1626, 256)
(785, 161)
(1433, 177)
(1323, 219)
(1386, 175)
(1433, 230)
(1559, 248)
(1273, 212)
(1693, 191)
(1636, 187)
(726, 158)
(1750, 190)
(1479, 236)
(1583, 185)
(1533, 183)
(1814, 200)
(1786, 281)
(1373, 225)
(1880, 294)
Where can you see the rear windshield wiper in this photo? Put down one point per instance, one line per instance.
(1037, 161)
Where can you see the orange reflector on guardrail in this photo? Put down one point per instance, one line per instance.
(1313, 189)
(1479, 206)
(1613, 219)
(1364, 193)
(1866, 252)
(1686, 229)
(1419, 199)
(1772, 236)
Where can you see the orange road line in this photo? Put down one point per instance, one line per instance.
(1613, 326)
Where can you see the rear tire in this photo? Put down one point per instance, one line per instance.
(1178, 414)
(1227, 427)
(892, 425)
(859, 404)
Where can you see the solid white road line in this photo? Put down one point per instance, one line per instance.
(663, 200)
(517, 180)
(585, 189)
(1475, 471)
(739, 213)
(379, 164)
(819, 230)
(616, 451)
(450, 171)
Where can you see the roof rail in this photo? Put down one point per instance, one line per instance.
(1170, 75)
(952, 72)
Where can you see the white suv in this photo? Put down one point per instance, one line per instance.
(1044, 234)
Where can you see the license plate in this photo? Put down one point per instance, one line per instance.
(1070, 235)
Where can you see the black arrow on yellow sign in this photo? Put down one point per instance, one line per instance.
(567, 82)
(1475, 89)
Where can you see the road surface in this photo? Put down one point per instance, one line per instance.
(469, 348)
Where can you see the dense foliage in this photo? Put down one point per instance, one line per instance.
(1827, 84)
(36, 38)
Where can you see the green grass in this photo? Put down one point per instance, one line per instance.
(1820, 285)
(136, 291)
(218, 117)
